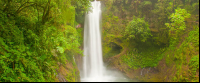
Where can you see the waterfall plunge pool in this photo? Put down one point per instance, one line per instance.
(108, 76)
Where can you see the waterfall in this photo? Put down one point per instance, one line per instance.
(93, 69)
(92, 60)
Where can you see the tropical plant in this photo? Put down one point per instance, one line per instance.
(137, 29)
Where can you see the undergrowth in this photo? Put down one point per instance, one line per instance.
(144, 57)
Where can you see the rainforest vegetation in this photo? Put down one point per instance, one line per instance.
(152, 40)
(148, 40)
(37, 38)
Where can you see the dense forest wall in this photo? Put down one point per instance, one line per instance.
(38, 40)
(152, 40)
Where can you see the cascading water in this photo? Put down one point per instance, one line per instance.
(93, 62)
(93, 69)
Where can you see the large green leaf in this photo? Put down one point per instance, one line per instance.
(60, 49)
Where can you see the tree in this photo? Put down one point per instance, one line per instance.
(137, 29)
(178, 25)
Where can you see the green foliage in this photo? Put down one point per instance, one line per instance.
(143, 57)
(111, 49)
(36, 35)
(194, 36)
(194, 67)
(81, 6)
(145, 3)
(187, 49)
(178, 25)
(169, 21)
(190, 44)
(137, 29)
(112, 30)
(18, 59)
(194, 64)
(192, 6)
(178, 19)
(110, 25)
(80, 35)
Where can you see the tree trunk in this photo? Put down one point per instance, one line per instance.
(46, 12)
